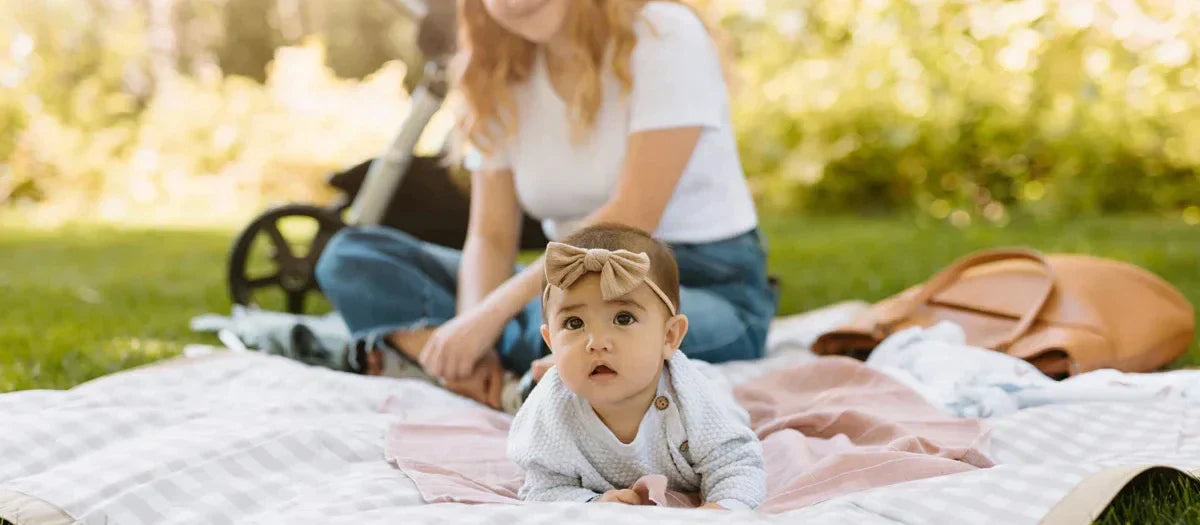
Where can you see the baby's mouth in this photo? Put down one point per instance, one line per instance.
(602, 371)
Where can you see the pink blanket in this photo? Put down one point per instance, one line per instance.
(829, 427)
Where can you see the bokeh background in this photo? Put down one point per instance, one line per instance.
(882, 139)
(198, 110)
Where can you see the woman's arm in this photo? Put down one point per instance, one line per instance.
(654, 162)
(492, 236)
(489, 253)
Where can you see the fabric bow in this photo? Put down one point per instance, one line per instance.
(621, 271)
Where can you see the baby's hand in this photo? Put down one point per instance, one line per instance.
(626, 496)
(712, 506)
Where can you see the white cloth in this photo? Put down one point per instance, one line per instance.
(677, 82)
(568, 454)
(969, 381)
(251, 327)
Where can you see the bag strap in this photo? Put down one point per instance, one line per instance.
(952, 273)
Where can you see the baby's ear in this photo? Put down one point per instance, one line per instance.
(677, 328)
(546, 335)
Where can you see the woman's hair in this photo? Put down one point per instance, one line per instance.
(491, 59)
(664, 270)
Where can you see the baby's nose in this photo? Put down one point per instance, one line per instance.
(599, 341)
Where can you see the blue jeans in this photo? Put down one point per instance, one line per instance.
(382, 280)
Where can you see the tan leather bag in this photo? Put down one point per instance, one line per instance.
(1064, 313)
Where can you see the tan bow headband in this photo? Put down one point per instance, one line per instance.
(620, 271)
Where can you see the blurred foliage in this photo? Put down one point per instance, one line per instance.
(969, 111)
(173, 110)
(111, 110)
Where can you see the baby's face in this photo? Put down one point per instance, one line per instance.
(609, 351)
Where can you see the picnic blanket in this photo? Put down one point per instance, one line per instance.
(829, 427)
(457, 456)
(253, 438)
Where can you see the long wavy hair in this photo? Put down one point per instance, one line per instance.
(490, 59)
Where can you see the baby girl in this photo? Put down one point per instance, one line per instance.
(622, 401)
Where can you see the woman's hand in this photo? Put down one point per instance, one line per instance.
(626, 496)
(454, 348)
(541, 366)
(712, 506)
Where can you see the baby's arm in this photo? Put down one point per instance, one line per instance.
(726, 453)
(732, 474)
(542, 484)
(541, 443)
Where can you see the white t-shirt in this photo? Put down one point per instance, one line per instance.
(677, 82)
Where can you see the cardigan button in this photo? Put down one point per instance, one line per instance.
(683, 447)
(661, 403)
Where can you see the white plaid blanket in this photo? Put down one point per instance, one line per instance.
(250, 438)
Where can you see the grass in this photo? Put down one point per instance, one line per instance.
(80, 302)
(1157, 496)
(821, 261)
(83, 302)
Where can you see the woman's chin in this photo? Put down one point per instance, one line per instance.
(536, 37)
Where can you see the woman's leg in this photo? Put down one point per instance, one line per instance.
(521, 342)
(718, 330)
(725, 292)
(390, 286)
(383, 280)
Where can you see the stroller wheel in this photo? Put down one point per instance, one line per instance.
(278, 252)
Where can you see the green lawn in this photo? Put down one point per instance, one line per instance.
(823, 261)
(85, 301)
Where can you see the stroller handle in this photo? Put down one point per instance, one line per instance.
(435, 25)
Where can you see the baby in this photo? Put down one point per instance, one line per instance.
(622, 401)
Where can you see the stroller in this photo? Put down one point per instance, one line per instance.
(400, 189)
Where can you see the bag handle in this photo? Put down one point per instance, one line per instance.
(952, 273)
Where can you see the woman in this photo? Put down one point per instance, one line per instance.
(583, 111)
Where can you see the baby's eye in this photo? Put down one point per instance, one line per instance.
(625, 319)
(573, 323)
